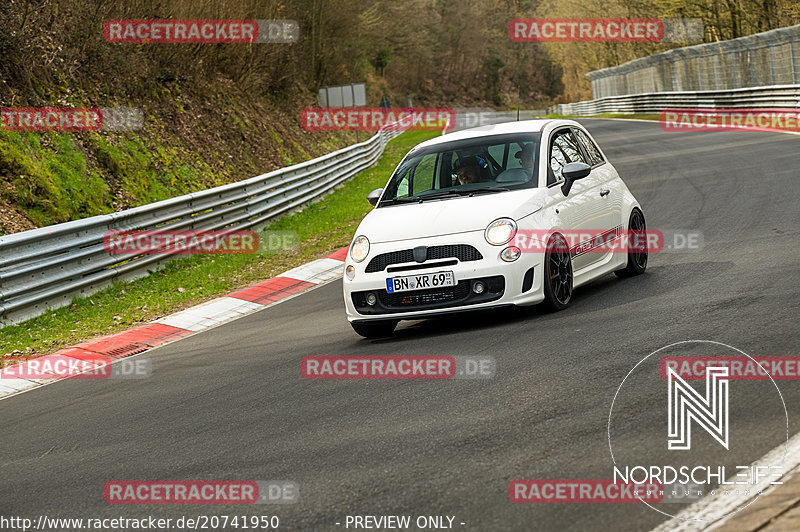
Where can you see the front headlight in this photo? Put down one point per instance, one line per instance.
(501, 231)
(360, 248)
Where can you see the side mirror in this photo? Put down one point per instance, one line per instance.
(572, 172)
(374, 196)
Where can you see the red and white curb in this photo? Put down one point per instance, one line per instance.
(187, 322)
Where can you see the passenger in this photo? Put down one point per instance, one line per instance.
(525, 156)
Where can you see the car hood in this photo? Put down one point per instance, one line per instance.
(447, 216)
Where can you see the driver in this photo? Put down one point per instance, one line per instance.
(468, 171)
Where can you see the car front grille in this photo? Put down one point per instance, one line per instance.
(462, 252)
(432, 298)
(424, 297)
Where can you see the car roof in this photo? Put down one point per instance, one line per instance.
(522, 126)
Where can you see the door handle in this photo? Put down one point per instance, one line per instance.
(604, 192)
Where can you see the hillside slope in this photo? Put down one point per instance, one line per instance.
(213, 114)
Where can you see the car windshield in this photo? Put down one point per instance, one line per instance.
(467, 167)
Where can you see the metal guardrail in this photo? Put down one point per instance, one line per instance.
(47, 267)
(781, 96)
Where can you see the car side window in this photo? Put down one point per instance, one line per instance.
(591, 148)
(402, 187)
(564, 149)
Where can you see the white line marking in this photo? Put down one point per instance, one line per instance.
(9, 386)
(707, 507)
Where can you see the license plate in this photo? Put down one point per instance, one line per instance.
(420, 281)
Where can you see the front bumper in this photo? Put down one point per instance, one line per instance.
(508, 283)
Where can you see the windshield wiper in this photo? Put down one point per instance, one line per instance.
(464, 192)
(487, 189)
(395, 201)
(444, 194)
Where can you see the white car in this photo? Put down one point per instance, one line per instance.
(453, 230)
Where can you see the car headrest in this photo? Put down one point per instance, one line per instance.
(513, 174)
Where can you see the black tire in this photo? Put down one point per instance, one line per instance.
(637, 258)
(374, 329)
(557, 274)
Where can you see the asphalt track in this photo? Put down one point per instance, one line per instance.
(230, 403)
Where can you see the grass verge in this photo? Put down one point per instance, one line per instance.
(322, 227)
